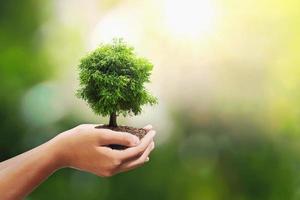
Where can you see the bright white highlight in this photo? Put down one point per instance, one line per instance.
(116, 24)
(189, 18)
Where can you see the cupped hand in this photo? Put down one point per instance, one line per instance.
(85, 147)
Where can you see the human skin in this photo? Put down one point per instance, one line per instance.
(84, 148)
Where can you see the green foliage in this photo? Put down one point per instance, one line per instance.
(112, 80)
(22, 65)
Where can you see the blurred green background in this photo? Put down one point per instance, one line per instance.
(227, 75)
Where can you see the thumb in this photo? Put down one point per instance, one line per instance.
(148, 127)
(120, 138)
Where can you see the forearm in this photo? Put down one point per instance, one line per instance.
(14, 160)
(21, 175)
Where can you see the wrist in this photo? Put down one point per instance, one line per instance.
(62, 148)
(57, 153)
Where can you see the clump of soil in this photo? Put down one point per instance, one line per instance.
(139, 132)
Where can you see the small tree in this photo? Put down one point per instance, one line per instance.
(112, 81)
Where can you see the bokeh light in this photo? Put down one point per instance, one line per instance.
(42, 105)
(190, 18)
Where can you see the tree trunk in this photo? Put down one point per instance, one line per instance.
(113, 120)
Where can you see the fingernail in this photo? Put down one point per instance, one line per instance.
(152, 146)
(153, 133)
(149, 126)
(147, 159)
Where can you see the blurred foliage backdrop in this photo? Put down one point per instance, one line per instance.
(226, 74)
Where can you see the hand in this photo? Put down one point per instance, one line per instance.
(85, 148)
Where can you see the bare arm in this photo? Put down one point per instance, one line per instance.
(13, 160)
(23, 174)
(83, 148)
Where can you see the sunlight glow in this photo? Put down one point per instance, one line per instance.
(115, 24)
(189, 18)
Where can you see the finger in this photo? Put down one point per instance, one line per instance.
(121, 138)
(148, 127)
(139, 161)
(139, 149)
(89, 127)
(97, 125)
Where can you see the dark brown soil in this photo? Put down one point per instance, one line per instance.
(139, 132)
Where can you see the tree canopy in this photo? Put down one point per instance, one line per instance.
(112, 80)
